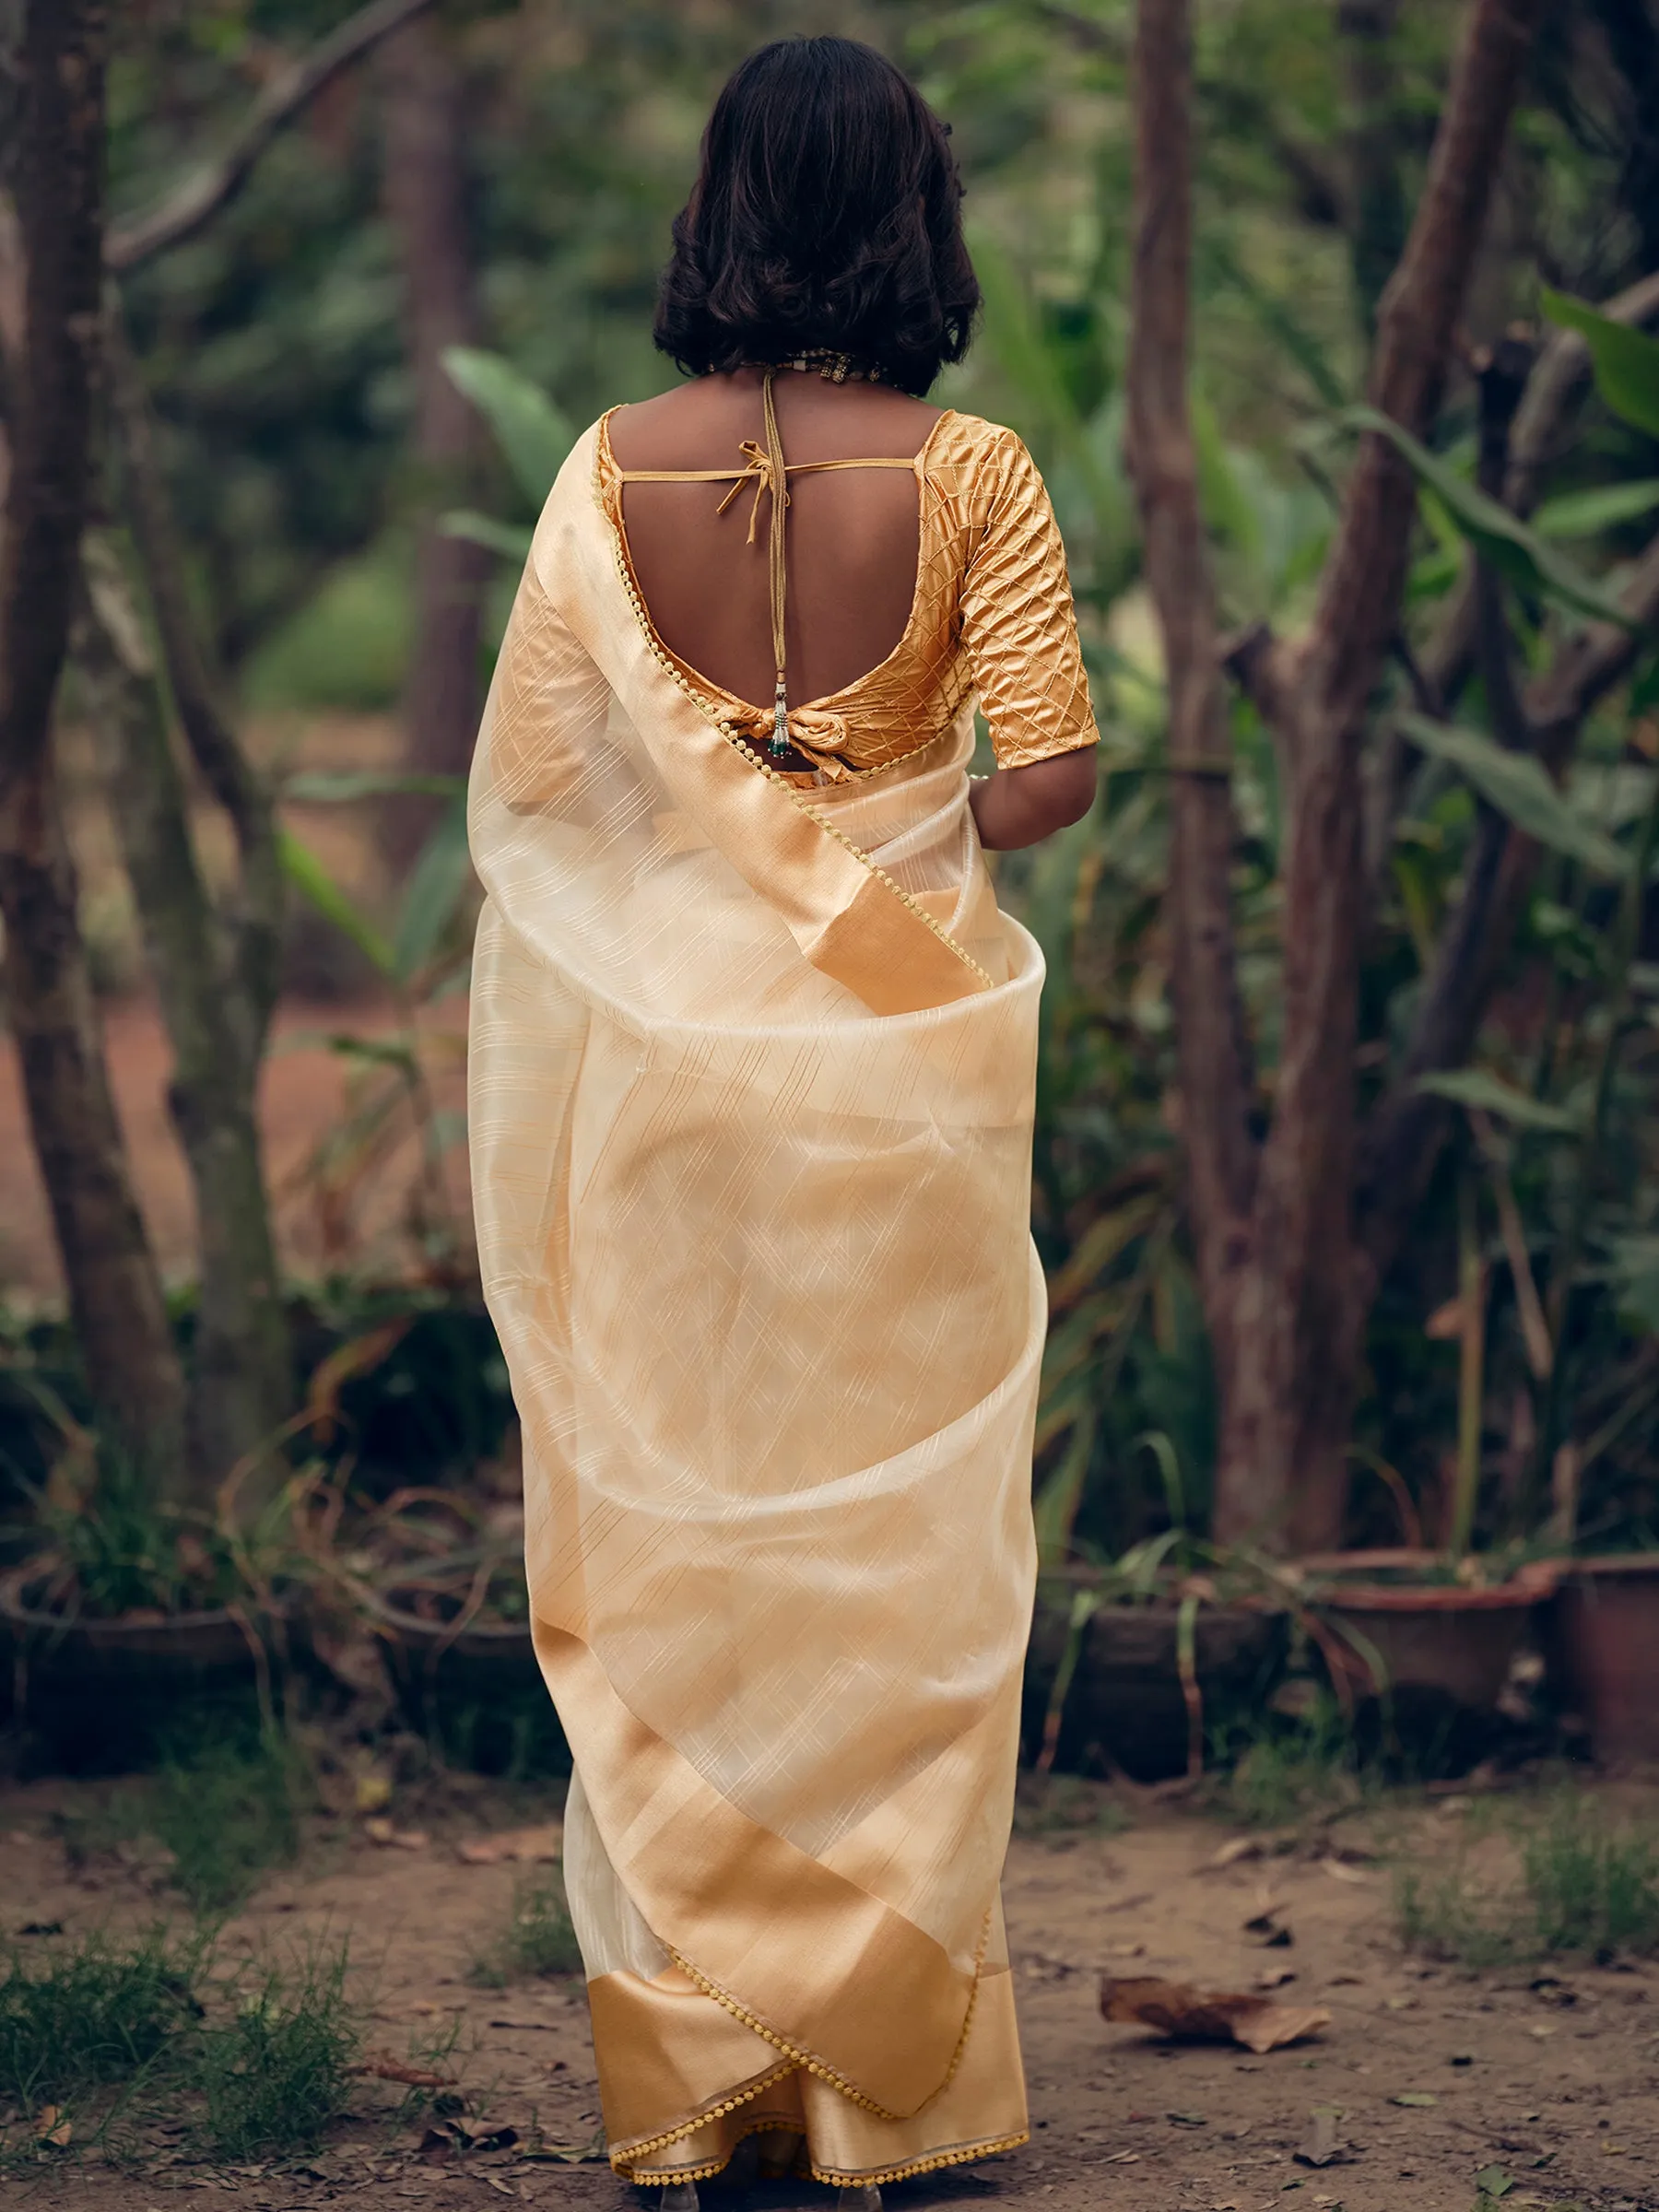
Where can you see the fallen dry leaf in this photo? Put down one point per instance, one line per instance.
(591, 2152)
(373, 1793)
(1229, 1854)
(525, 1845)
(1192, 2016)
(51, 2129)
(381, 1831)
(1323, 2144)
(1342, 1872)
(450, 2135)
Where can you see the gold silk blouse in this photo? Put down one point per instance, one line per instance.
(991, 617)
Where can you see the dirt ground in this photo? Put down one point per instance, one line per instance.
(1552, 2078)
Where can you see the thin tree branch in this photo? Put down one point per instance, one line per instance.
(61, 194)
(197, 696)
(1399, 1147)
(1215, 1079)
(213, 186)
(1558, 381)
(1501, 377)
(1359, 598)
(1231, 106)
(241, 1377)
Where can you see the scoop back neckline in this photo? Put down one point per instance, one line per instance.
(828, 702)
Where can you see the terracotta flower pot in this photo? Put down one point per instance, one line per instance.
(102, 1696)
(1125, 1702)
(1604, 1643)
(477, 1692)
(1456, 1639)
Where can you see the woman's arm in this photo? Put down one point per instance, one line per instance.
(1021, 639)
(1019, 805)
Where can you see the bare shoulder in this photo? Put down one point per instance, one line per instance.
(699, 423)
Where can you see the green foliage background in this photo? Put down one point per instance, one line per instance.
(273, 349)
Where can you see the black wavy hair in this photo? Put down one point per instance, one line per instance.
(827, 212)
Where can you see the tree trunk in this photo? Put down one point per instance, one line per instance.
(115, 1298)
(1285, 1287)
(241, 1366)
(426, 200)
(115, 1289)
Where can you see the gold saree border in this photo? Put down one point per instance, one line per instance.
(741, 1909)
(976, 2113)
(851, 919)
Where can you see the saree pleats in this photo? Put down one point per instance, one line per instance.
(750, 1097)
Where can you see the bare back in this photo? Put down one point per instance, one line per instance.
(852, 533)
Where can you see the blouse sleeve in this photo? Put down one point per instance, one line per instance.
(1019, 629)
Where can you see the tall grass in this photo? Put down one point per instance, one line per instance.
(537, 1937)
(106, 2032)
(1575, 1886)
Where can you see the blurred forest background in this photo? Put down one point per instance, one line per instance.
(337, 400)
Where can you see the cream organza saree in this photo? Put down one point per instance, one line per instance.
(752, 1074)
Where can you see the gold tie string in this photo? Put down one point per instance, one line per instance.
(765, 467)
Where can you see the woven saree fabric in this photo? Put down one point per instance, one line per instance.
(752, 1074)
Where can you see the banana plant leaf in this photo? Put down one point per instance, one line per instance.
(1584, 514)
(1474, 1086)
(313, 882)
(534, 435)
(439, 877)
(1626, 360)
(1032, 366)
(1514, 549)
(1519, 788)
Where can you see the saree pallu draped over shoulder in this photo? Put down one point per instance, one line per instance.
(752, 1074)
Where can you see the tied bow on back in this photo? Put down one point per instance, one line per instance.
(768, 477)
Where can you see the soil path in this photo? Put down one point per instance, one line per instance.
(1552, 2078)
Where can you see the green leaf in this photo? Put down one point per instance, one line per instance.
(1518, 787)
(1017, 338)
(1635, 1279)
(1033, 365)
(1583, 513)
(313, 881)
(377, 1052)
(510, 540)
(332, 787)
(1626, 360)
(1489, 1093)
(439, 876)
(533, 434)
(1415, 2097)
(1497, 535)
(1492, 2181)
